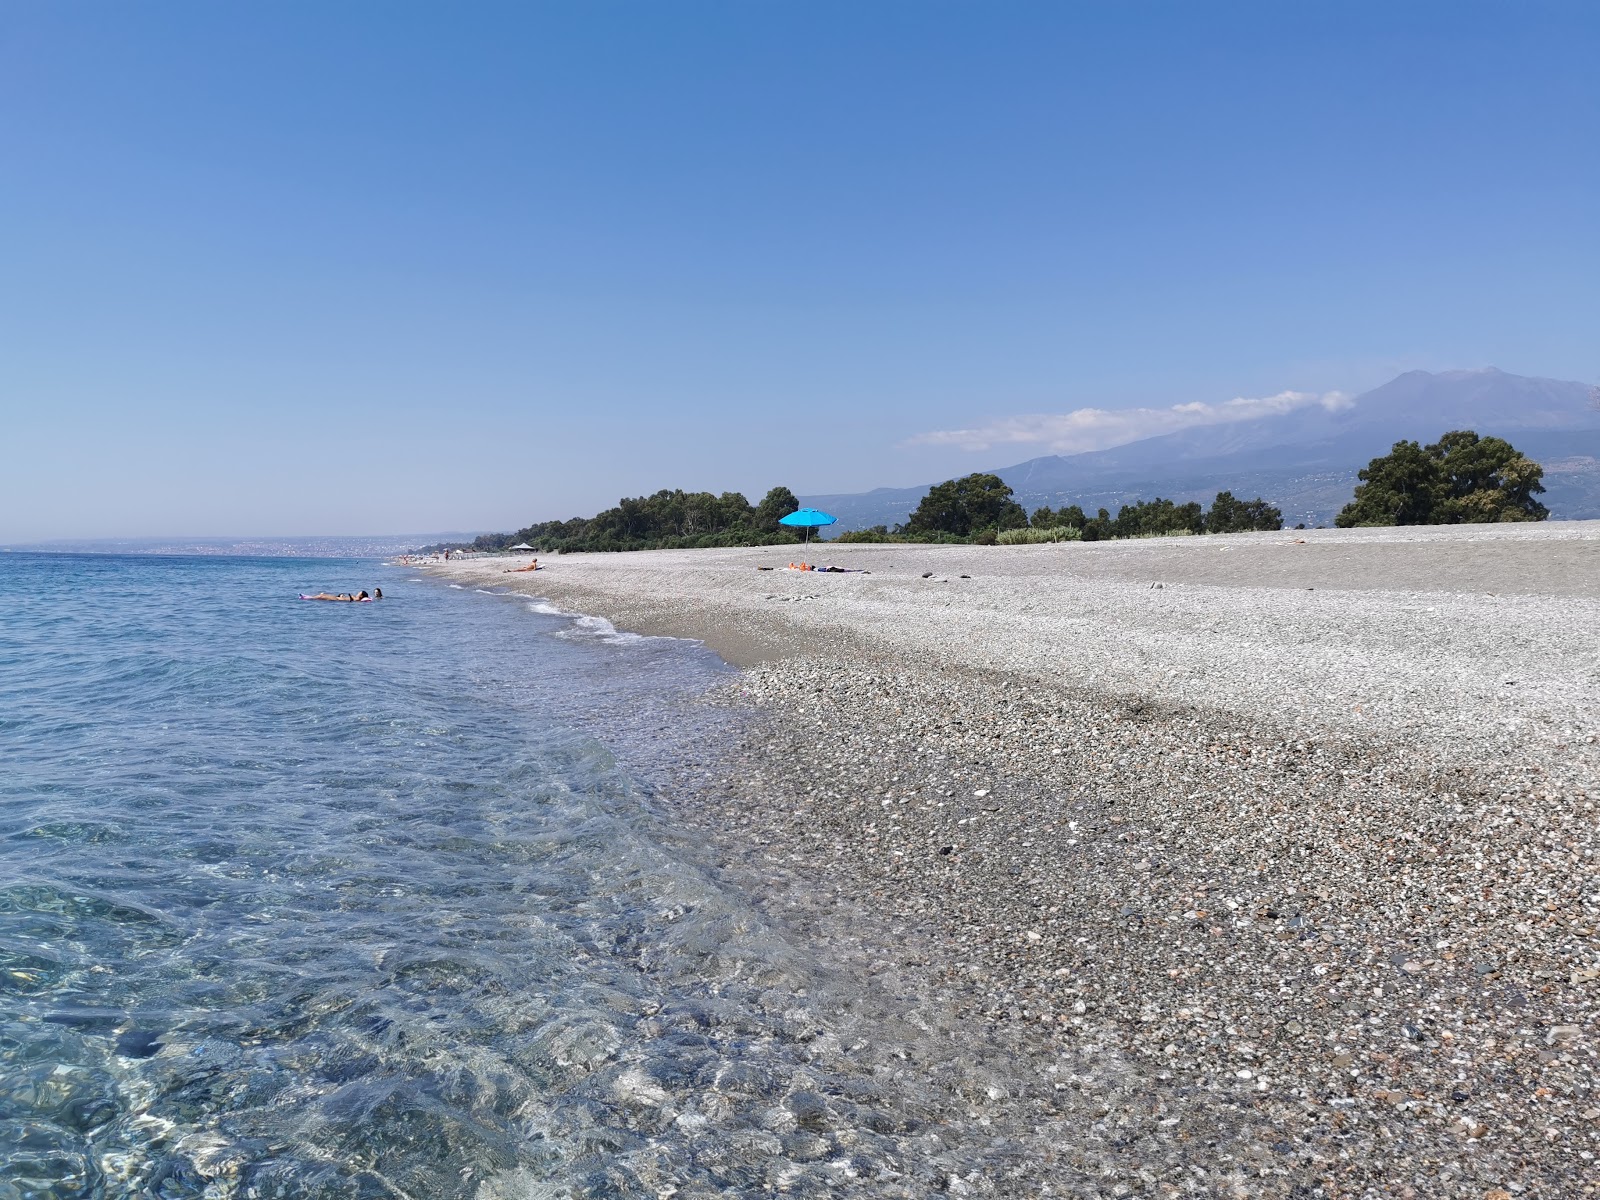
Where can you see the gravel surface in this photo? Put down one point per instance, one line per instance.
(1278, 854)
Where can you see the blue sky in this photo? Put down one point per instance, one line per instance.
(368, 267)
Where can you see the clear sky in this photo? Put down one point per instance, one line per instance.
(377, 267)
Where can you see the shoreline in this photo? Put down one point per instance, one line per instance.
(1315, 862)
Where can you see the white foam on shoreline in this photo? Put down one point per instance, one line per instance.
(589, 628)
(601, 630)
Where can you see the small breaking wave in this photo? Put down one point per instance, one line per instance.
(601, 630)
(592, 629)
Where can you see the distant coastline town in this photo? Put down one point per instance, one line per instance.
(354, 546)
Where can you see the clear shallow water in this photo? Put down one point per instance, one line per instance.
(303, 899)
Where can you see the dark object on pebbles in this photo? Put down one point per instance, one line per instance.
(927, 574)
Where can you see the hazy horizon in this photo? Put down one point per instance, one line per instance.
(392, 267)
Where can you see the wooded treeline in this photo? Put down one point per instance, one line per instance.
(668, 520)
(1459, 478)
(976, 508)
(980, 508)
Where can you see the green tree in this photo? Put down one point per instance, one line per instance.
(1153, 518)
(1487, 480)
(736, 511)
(967, 505)
(1402, 487)
(1098, 527)
(1231, 515)
(1045, 518)
(1459, 478)
(775, 505)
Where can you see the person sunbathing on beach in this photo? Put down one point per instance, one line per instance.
(533, 566)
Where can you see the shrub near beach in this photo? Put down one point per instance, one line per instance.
(1034, 536)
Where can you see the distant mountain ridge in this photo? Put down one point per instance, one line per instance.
(1305, 461)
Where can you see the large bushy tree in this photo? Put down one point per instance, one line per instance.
(1156, 518)
(1046, 518)
(1460, 478)
(1487, 479)
(1231, 515)
(774, 506)
(967, 506)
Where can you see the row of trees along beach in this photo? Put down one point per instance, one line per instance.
(1461, 478)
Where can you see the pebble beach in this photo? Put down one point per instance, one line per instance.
(1272, 856)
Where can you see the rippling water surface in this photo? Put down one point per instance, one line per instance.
(303, 899)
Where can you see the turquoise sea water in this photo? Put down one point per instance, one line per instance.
(330, 900)
(333, 900)
(312, 897)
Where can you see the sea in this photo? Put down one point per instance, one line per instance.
(304, 899)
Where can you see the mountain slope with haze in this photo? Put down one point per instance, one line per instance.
(1306, 461)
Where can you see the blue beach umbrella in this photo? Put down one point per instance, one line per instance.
(807, 518)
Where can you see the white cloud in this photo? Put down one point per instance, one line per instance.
(1101, 428)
